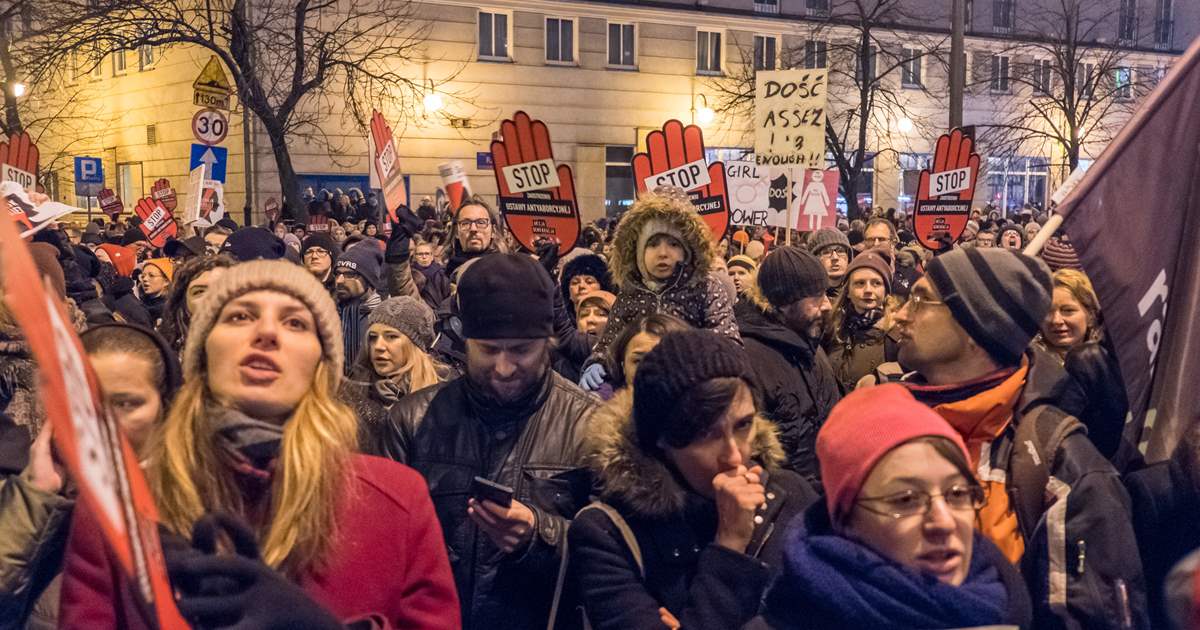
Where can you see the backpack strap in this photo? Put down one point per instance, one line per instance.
(1036, 442)
(630, 543)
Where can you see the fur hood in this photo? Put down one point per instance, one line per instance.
(639, 481)
(696, 236)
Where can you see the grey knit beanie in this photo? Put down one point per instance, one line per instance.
(259, 275)
(410, 316)
(789, 274)
(999, 296)
(827, 237)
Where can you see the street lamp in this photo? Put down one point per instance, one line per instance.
(433, 102)
(905, 125)
(704, 114)
(18, 89)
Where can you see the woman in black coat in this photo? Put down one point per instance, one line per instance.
(692, 469)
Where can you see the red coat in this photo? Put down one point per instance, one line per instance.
(389, 561)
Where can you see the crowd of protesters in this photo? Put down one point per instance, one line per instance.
(413, 423)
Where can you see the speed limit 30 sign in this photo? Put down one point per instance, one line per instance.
(210, 126)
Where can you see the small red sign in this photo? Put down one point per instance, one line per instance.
(955, 168)
(110, 203)
(158, 224)
(162, 192)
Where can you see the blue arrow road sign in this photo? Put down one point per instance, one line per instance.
(214, 157)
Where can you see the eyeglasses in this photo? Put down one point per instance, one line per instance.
(916, 302)
(877, 240)
(466, 224)
(960, 498)
(833, 252)
(316, 251)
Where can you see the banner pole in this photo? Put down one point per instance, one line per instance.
(790, 200)
(1052, 224)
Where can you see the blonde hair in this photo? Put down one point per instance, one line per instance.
(1080, 287)
(189, 477)
(417, 368)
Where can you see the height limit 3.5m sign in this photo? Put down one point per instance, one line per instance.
(945, 191)
(789, 117)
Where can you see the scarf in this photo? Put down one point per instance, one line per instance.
(830, 581)
(856, 323)
(251, 444)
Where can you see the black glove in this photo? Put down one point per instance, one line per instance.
(547, 253)
(404, 228)
(237, 591)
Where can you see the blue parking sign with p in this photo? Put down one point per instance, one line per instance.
(89, 176)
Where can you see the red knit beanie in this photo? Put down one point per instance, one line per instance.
(864, 427)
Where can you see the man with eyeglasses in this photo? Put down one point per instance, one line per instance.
(474, 234)
(832, 248)
(319, 254)
(1054, 503)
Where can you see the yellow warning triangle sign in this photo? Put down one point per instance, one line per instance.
(212, 78)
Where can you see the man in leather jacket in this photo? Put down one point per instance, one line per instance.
(512, 420)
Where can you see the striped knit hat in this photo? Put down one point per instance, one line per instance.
(999, 296)
(264, 275)
(1058, 253)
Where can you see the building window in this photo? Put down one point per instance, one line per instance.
(766, 6)
(999, 77)
(817, 7)
(968, 14)
(708, 52)
(911, 165)
(560, 40)
(619, 190)
(1164, 22)
(858, 66)
(494, 35)
(129, 181)
(1043, 76)
(766, 51)
(1127, 21)
(910, 67)
(119, 62)
(1086, 80)
(816, 54)
(1123, 83)
(145, 57)
(1003, 15)
(1014, 182)
(622, 45)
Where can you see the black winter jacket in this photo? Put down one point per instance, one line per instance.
(702, 584)
(796, 382)
(450, 433)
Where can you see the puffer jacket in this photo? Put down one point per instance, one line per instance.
(451, 433)
(702, 584)
(796, 382)
(1079, 555)
(33, 537)
(696, 293)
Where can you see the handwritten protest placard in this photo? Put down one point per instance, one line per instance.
(789, 115)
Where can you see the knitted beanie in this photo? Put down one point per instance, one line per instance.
(123, 259)
(585, 265)
(743, 261)
(506, 296)
(680, 362)
(412, 317)
(366, 260)
(264, 275)
(791, 274)
(827, 237)
(999, 296)
(162, 264)
(1058, 253)
(253, 243)
(878, 260)
(325, 241)
(755, 250)
(863, 427)
(652, 228)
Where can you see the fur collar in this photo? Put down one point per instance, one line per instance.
(640, 481)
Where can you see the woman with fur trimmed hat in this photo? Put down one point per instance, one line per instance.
(689, 466)
(581, 275)
(858, 337)
(257, 433)
(663, 263)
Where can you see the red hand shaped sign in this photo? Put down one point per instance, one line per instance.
(387, 165)
(537, 195)
(675, 157)
(158, 224)
(945, 191)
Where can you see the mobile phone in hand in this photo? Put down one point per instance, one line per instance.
(488, 490)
